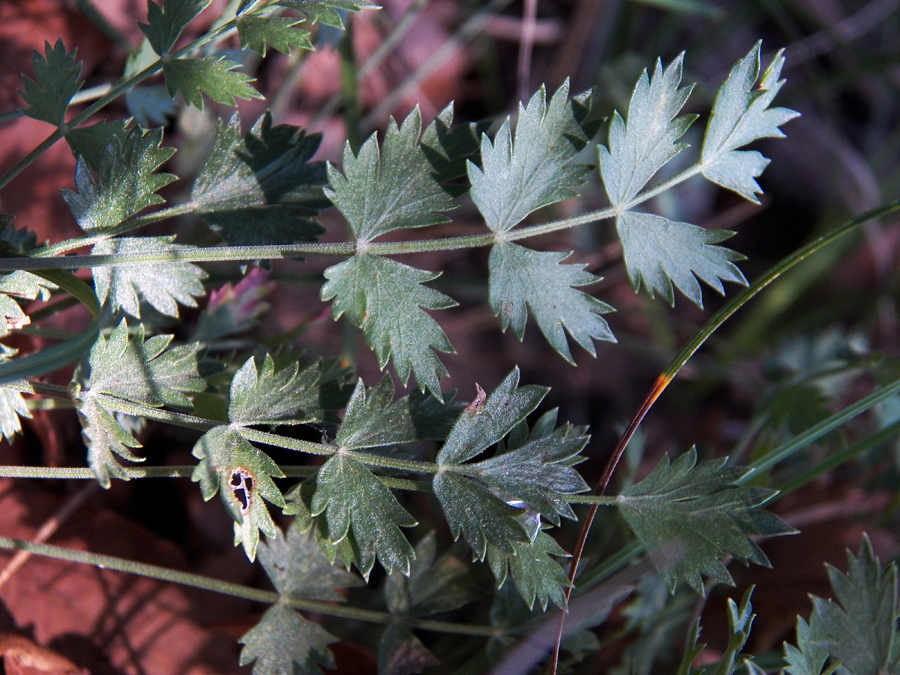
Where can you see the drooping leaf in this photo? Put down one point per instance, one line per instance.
(643, 145)
(808, 657)
(387, 299)
(489, 419)
(537, 576)
(518, 176)
(523, 280)
(741, 115)
(688, 516)
(434, 584)
(243, 474)
(326, 11)
(214, 77)
(166, 22)
(861, 627)
(388, 188)
(126, 183)
(350, 496)
(278, 32)
(261, 187)
(264, 394)
(298, 569)
(449, 148)
(402, 653)
(162, 285)
(284, 643)
(89, 142)
(373, 419)
(660, 252)
(56, 82)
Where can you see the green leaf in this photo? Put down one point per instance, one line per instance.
(261, 187)
(487, 420)
(214, 77)
(373, 419)
(166, 22)
(298, 569)
(151, 105)
(687, 517)
(161, 285)
(537, 576)
(56, 82)
(17, 286)
(326, 11)
(387, 299)
(740, 620)
(539, 473)
(148, 372)
(741, 115)
(522, 175)
(449, 148)
(524, 280)
(350, 496)
(89, 142)
(434, 584)
(12, 403)
(279, 32)
(105, 438)
(126, 183)
(861, 627)
(284, 643)
(264, 394)
(660, 252)
(478, 515)
(234, 308)
(402, 653)
(243, 474)
(390, 188)
(640, 148)
(808, 657)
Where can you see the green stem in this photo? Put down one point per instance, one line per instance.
(350, 88)
(237, 590)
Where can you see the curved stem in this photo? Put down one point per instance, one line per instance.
(237, 590)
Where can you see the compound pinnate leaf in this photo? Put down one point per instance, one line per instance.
(297, 568)
(125, 185)
(741, 115)
(326, 11)
(487, 420)
(162, 285)
(217, 78)
(518, 176)
(522, 279)
(284, 643)
(861, 627)
(387, 299)
(165, 22)
(262, 393)
(56, 82)
(278, 32)
(350, 496)
(388, 188)
(373, 419)
(537, 576)
(643, 145)
(688, 516)
(243, 474)
(660, 252)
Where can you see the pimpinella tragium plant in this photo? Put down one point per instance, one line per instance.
(492, 476)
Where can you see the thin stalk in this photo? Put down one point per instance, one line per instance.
(237, 590)
(350, 88)
(685, 354)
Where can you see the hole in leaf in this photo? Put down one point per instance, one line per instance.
(242, 484)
